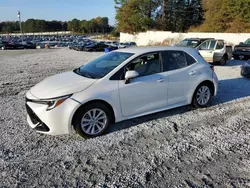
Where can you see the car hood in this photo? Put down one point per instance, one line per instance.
(242, 46)
(60, 85)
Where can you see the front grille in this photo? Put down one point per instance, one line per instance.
(36, 121)
(247, 49)
(33, 117)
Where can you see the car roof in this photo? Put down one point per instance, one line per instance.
(148, 49)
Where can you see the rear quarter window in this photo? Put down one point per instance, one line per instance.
(190, 59)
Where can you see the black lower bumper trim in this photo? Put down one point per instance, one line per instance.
(42, 127)
(36, 121)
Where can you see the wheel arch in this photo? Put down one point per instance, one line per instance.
(92, 102)
(205, 82)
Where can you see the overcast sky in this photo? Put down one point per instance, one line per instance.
(64, 10)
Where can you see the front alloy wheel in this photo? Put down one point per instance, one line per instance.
(93, 119)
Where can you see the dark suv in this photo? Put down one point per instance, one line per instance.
(242, 51)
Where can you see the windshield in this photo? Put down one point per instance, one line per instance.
(247, 41)
(103, 65)
(189, 43)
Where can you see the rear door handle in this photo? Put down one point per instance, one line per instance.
(161, 80)
(192, 73)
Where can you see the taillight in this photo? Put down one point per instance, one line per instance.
(212, 67)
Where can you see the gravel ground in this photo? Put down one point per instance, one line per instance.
(183, 147)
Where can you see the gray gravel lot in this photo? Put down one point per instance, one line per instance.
(183, 147)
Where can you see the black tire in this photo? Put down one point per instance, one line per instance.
(86, 108)
(224, 59)
(195, 101)
(236, 57)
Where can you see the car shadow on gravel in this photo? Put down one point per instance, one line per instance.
(147, 118)
(232, 62)
(232, 89)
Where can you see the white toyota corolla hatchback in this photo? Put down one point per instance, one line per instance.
(120, 85)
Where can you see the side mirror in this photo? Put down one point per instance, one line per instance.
(241, 43)
(130, 75)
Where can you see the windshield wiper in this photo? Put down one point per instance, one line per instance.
(87, 75)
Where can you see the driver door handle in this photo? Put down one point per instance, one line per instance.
(192, 73)
(160, 80)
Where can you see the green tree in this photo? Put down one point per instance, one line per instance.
(135, 15)
(172, 15)
(225, 16)
(99, 24)
(178, 16)
(75, 25)
(84, 25)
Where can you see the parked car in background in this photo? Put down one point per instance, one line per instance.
(12, 46)
(127, 44)
(81, 47)
(212, 50)
(192, 42)
(120, 85)
(122, 45)
(95, 47)
(131, 44)
(29, 45)
(245, 69)
(242, 51)
(1, 44)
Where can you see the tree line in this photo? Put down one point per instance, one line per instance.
(95, 25)
(170, 15)
(141, 15)
(183, 15)
(230, 16)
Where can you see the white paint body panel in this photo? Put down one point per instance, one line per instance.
(61, 84)
(143, 95)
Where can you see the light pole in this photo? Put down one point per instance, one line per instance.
(19, 17)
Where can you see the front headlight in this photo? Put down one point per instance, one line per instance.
(55, 102)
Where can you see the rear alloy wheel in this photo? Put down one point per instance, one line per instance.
(202, 96)
(93, 120)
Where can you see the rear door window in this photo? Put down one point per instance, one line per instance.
(173, 60)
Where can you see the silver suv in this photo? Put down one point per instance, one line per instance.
(212, 50)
